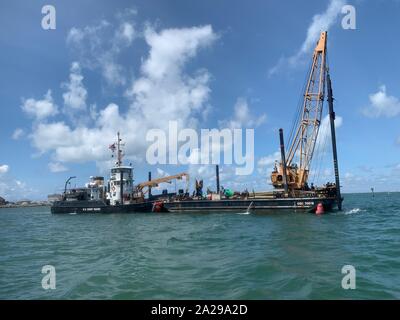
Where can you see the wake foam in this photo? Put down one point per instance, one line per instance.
(353, 211)
(247, 212)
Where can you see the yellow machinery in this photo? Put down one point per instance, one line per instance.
(304, 135)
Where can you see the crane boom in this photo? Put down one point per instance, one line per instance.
(302, 145)
(156, 182)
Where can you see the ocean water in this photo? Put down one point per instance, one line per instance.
(204, 256)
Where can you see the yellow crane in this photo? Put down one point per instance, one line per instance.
(155, 182)
(303, 141)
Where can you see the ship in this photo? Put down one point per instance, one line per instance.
(290, 176)
(118, 195)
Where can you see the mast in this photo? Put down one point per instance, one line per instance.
(282, 145)
(149, 186)
(121, 180)
(333, 136)
(117, 146)
(217, 177)
(119, 151)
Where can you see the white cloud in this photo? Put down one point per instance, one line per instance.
(57, 167)
(242, 117)
(20, 183)
(161, 173)
(320, 22)
(325, 129)
(98, 46)
(47, 136)
(382, 104)
(74, 145)
(40, 109)
(202, 172)
(158, 95)
(126, 33)
(270, 159)
(266, 164)
(4, 168)
(320, 168)
(86, 41)
(18, 133)
(228, 178)
(76, 94)
(348, 175)
(113, 72)
(323, 143)
(12, 189)
(164, 92)
(171, 48)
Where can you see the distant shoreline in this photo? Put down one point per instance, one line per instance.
(24, 205)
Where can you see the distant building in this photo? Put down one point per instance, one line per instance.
(2, 201)
(54, 197)
(24, 202)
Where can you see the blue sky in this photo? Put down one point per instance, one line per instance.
(64, 92)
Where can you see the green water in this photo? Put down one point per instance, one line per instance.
(204, 256)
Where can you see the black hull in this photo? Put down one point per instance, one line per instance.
(199, 206)
(85, 207)
(254, 205)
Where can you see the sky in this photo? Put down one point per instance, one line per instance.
(134, 66)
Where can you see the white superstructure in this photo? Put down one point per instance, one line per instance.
(121, 179)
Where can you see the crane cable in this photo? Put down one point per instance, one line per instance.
(299, 109)
(323, 140)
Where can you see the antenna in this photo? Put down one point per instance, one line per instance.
(117, 146)
(119, 154)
